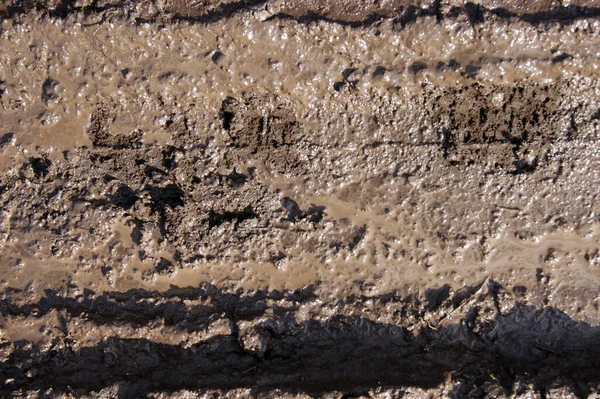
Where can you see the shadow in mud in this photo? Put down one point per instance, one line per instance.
(225, 10)
(402, 15)
(345, 353)
(140, 307)
(565, 15)
(198, 14)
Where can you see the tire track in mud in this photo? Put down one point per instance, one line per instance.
(350, 354)
(349, 13)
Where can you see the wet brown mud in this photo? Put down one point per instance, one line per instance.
(299, 199)
(504, 354)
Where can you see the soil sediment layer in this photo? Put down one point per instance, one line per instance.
(299, 198)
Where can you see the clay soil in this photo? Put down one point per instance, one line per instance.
(298, 198)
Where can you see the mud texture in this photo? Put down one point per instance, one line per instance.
(299, 199)
(490, 352)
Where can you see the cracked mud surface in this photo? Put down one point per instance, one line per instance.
(299, 199)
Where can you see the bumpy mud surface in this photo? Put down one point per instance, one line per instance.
(299, 199)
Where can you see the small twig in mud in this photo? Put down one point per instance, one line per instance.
(270, 362)
(541, 347)
(251, 368)
(62, 321)
(62, 340)
(510, 208)
(447, 315)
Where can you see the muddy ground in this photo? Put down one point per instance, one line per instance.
(299, 199)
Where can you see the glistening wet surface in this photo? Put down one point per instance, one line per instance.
(253, 177)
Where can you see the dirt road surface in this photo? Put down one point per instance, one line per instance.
(299, 198)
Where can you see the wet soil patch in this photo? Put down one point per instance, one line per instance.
(348, 354)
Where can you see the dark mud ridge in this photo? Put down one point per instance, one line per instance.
(484, 352)
(347, 12)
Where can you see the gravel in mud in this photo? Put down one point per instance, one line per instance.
(299, 199)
